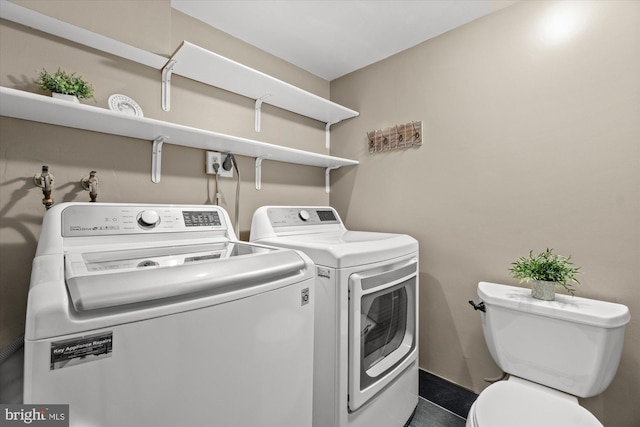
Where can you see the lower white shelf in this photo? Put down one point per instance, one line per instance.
(29, 106)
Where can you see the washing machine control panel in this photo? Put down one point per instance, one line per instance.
(94, 220)
(288, 217)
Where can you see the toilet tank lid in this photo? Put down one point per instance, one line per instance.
(565, 307)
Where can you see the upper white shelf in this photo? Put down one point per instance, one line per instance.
(29, 106)
(47, 24)
(199, 64)
(193, 62)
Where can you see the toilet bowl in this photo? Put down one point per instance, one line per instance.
(520, 403)
(554, 352)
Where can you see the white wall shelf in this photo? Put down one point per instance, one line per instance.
(29, 106)
(30, 18)
(195, 63)
(207, 67)
(189, 61)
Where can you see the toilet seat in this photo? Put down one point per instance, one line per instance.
(523, 404)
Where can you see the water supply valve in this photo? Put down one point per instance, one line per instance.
(44, 180)
(90, 184)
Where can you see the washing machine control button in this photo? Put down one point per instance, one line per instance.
(304, 215)
(148, 218)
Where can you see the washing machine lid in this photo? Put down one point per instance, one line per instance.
(342, 249)
(97, 280)
(509, 404)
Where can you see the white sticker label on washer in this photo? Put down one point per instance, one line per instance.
(323, 272)
(76, 351)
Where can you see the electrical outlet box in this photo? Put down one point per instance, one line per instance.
(215, 157)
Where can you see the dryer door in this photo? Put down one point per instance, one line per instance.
(382, 328)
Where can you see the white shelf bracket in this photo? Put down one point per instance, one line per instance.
(327, 135)
(258, 110)
(259, 172)
(156, 158)
(327, 178)
(167, 71)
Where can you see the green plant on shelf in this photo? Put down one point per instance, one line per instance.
(65, 83)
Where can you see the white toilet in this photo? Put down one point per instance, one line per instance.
(554, 352)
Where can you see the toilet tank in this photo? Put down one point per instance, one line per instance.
(571, 344)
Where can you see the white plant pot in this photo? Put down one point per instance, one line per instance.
(63, 96)
(543, 290)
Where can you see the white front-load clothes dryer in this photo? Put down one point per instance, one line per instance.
(366, 333)
(154, 315)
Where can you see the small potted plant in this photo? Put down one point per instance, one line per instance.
(545, 272)
(70, 86)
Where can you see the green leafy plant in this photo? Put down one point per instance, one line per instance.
(62, 82)
(546, 266)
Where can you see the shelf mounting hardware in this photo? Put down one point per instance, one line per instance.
(167, 71)
(258, 109)
(327, 178)
(327, 135)
(156, 158)
(259, 172)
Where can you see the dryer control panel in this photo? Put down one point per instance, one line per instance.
(100, 220)
(295, 216)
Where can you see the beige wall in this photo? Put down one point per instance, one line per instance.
(124, 165)
(529, 144)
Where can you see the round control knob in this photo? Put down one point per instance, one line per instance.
(148, 218)
(304, 215)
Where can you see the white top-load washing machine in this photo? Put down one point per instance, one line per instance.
(154, 315)
(366, 334)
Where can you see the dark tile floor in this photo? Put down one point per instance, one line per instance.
(428, 414)
(445, 394)
(441, 404)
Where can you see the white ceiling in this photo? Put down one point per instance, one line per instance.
(331, 38)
